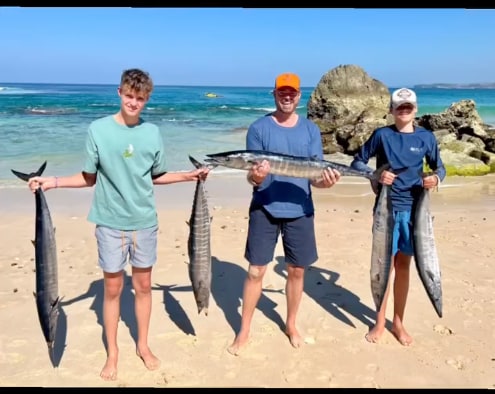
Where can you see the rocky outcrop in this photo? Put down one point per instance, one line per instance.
(347, 105)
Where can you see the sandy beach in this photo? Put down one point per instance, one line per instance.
(455, 351)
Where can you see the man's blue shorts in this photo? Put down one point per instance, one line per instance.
(115, 247)
(298, 238)
(402, 233)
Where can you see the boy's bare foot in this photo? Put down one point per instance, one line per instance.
(295, 338)
(402, 336)
(374, 334)
(149, 359)
(239, 342)
(109, 371)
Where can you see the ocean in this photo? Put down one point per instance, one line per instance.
(48, 122)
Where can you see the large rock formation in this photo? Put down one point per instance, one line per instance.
(347, 104)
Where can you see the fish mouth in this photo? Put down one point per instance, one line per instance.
(212, 160)
(216, 160)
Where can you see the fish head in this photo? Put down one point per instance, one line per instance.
(240, 160)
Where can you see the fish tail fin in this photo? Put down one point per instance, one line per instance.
(25, 177)
(198, 164)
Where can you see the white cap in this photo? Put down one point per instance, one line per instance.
(403, 96)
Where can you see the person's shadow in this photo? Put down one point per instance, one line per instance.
(321, 285)
(227, 288)
(226, 291)
(126, 305)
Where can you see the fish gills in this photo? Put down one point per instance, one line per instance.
(381, 252)
(199, 245)
(425, 251)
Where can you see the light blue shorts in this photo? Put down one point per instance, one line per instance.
(115, 247)
(402, 233)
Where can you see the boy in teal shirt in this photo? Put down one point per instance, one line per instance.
(124, 159)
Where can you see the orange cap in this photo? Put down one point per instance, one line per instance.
(287, 80)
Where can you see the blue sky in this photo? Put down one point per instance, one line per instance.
(245, 47)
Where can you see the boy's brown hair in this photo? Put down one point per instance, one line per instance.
(137, 80)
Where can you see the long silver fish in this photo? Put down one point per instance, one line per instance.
(381, 251)
(47, 299)
(288, 165)
(199, 249)
(425, 251)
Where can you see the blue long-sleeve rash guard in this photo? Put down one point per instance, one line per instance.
(405, 153)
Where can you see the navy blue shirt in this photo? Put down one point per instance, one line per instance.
(406, 154)
(283, 196)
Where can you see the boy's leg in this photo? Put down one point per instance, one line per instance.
(402, 275)
(142, 259)
(112, 254)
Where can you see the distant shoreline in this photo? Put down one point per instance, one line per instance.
(490, 85)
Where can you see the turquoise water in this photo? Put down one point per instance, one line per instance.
(41, 122)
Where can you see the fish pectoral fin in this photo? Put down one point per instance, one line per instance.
(55, 303)
(33, 242)
(34, 294)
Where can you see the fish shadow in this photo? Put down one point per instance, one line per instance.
(56, 353)
(127, 315)
(173, 308)
(321, 285)
(227, 288)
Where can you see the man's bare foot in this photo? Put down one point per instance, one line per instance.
(402, 336)
(149, 359)
(374, 335)
(239, 342)
(295, 338)
(109, 371)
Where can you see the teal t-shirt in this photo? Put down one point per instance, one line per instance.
(124, 159)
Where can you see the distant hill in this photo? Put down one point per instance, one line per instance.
(488, 85)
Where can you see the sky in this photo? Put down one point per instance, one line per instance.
(245, 46)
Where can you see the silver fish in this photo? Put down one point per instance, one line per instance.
(199, 245)
(425, 252)
(47, 299)
(287, 165)
(381, 252)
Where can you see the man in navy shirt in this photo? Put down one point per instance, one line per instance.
(404, 147)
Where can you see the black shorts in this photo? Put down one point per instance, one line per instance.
(298, 238)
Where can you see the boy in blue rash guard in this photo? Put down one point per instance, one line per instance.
(404, 147)
(281, 205)
(124, 159)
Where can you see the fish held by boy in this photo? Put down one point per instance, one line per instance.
(47, 299)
